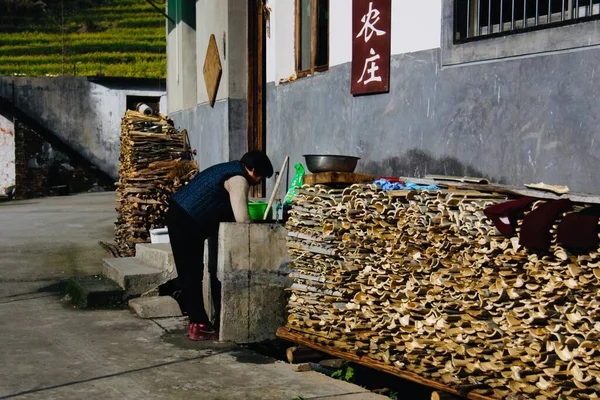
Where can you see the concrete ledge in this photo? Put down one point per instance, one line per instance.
(251, 247)
(235, 308)
(131, 275)
(157, 255)
(94, 292)
(268, 308)
(155, 307)
(233, 249)
(253, 273)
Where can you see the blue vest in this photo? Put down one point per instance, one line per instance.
(205, 198)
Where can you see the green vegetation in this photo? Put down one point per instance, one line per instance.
(125, 38)
(345, 373)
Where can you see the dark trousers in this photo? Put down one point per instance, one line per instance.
(187, 243)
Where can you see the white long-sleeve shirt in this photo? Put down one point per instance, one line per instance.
(238, 189)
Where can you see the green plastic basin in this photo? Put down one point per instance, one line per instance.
(256, 209)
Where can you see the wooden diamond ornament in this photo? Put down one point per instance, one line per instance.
(212, 70)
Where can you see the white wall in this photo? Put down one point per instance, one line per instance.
(111, 107)
(416, 25)
(281, 56)
(7, 153)
(271, 54)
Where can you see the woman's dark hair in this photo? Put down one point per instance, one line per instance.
(258, 161)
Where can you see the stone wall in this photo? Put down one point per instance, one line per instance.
(44, 167)
(7, 151)
(83, 113)
(515, 121)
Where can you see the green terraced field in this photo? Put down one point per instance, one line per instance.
(125, 38)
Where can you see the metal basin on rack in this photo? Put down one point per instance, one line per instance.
(330, 163)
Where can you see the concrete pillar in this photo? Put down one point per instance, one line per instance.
(181, 55)
(253, 272)
(237, 64)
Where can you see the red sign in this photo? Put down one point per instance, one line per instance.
(371, 41)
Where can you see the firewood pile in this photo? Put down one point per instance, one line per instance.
(154, 164)
(424, 281)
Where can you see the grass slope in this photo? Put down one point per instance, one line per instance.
(124, 38)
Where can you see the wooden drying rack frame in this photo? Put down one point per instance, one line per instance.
(507, 189)
(452, 183)
(291, 336)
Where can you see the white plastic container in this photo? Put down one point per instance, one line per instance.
(159, 235)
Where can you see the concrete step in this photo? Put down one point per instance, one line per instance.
(157, 255)
(94, 291)
(155, 307)
(132, 275)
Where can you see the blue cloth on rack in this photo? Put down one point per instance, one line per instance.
(414, 186)
(387, 185)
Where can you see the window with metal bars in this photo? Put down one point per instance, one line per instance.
(479, 19)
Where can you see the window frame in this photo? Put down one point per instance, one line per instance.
(523, 25)
(314, 26)
(578, 36)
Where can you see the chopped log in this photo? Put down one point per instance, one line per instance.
(336, 363)
(302, 354)
(110, 248)
(438, 395)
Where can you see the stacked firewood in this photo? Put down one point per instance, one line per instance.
(154, 164)
(314, 238)
(423, 281)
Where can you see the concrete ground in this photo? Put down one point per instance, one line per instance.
(49, 350)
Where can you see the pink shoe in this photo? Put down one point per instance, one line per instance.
(201, 332)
